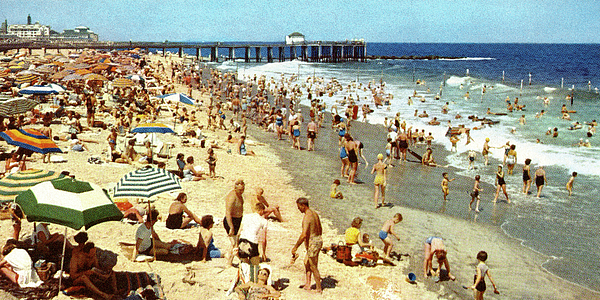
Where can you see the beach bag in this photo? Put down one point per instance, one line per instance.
(45, 269)
(344, 252)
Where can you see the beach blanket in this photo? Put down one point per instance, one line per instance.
(47, 290)
(135, 283)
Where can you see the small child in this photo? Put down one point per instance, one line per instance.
(475, 193)
(212, 162)
(386, 230)
(388, 152)
(570, 183)
(445, 188)
(472, 155)
(482, 270)
(334, 192)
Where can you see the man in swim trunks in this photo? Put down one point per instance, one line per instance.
(311, 134)
(234, 209)
(311, 238)
(386, 230)
(403, 145)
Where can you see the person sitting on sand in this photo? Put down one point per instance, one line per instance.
(189, 170)
(386, 230)
(206, 247)
(354, 238)
(427, 158)
(333, 192)
(176, 219)
(241, 147)
(258, 290)
(147, 241)
(435, 246)
(85, 270)
(269, 209)
(46, 242)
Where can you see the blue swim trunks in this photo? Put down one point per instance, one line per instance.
(383, 234)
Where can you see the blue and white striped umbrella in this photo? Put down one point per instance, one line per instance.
(178, 97)
(145, 183)
(38, 90)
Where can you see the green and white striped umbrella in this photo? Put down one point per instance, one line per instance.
(68, 202)
(15, 106)
(145, 183)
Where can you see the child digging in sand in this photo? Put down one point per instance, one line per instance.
(386, 230)
(334, 192)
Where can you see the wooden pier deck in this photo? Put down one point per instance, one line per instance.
(316, 51)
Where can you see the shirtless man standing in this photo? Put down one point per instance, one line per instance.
(311, 238)
(311, 131)
(234, 209)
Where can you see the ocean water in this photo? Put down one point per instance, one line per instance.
(563, 228)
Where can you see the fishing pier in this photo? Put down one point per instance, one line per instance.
(316, 51)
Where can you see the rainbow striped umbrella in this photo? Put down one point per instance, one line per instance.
(152, 127)
(13, 184)
(30, 139)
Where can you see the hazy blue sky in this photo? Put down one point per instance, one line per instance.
(480, 21)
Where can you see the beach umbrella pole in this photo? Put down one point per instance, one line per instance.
(62, 261)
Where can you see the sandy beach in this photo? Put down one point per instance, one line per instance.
(287, 174)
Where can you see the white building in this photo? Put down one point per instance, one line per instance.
(294, 38)
(29, 31)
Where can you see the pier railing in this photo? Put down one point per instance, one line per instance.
(313, 51)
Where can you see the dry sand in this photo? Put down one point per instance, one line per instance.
(207, 197)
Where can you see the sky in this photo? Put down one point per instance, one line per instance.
(418, 21)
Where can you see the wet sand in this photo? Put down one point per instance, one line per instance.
(414, 190)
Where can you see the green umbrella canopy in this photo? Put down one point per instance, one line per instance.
(68, 202)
